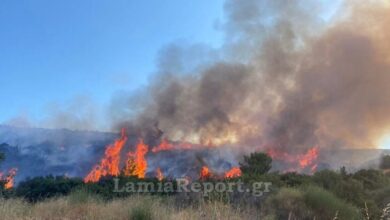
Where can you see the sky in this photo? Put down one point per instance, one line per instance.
(54, 51)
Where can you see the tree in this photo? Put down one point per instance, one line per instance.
(39, 188)
(256, 164)
(385, 162)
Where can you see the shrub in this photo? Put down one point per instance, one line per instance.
(372, 179)
(40, 188)
(325, 205)
(256, 164)
(288, 202)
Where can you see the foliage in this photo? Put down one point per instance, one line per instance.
(39, 188)
(385, 162)
(287, 202)
(256, 164)
(326, 205)
(372, 179)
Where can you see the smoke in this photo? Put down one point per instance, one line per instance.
(79, 113)
(285, 77)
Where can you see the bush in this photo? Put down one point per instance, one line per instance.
(326, 205)
(295, 179)
(372, 179)
(40, 188)
(288, 202)
(256, 164)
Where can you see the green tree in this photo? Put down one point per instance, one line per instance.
(39, 188)
(256, 164)
(385, 162)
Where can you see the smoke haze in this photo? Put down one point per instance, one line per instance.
(285, 77)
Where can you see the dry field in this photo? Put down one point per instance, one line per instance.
(137, 208)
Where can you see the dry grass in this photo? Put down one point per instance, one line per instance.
(137, 207)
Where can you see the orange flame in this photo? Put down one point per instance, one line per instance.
(9, 179)
(109, 165)
(163, 146)
(159, 174)
(136, 164)
(298, 162)
(233, 173)
(205, 173)
(309, 159)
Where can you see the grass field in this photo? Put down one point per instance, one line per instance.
(75, 207)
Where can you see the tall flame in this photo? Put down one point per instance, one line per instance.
(233, 173)
(136, 164)
(109, 165)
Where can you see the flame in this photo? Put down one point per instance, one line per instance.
(109, 165)
(300, 162)
(159, 174)
(163, 146)
(136, 164)
(9, 179)
(233, 173)
(204, 173)
(309, 159)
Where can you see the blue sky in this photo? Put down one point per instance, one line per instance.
(53, 51)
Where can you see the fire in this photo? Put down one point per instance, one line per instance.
(9, 179)
(136, 164)
(309, 159)
(163, 146)
(204, 173)
(298, 162)
(233, 173)
(109, 165)
(159, 174)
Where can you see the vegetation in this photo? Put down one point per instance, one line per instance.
(326, 194)
(385, 162)
(256, 164)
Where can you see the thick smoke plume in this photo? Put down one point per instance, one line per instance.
(286, 77)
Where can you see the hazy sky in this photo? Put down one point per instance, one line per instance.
(53, 51)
